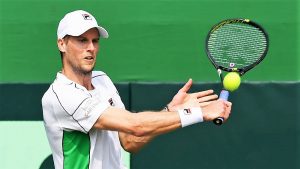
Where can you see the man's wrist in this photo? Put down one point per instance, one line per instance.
(190, 116)
(170, 107)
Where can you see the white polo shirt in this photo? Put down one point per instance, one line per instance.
(69, 112)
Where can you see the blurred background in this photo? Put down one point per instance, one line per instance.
(153, 48)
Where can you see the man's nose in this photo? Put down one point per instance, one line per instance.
(91, 46)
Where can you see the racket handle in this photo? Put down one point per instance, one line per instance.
(223, 95)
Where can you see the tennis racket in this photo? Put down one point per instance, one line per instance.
(235, 45)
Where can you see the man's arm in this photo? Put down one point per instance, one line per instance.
(136, 129)
(138, 124)
(181, 100)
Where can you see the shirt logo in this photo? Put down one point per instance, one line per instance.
(111, 102)
(86, 17)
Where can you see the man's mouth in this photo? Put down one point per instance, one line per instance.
(89, 58)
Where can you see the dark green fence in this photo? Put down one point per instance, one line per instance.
(262, 133)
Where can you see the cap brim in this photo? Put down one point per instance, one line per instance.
(103, 33)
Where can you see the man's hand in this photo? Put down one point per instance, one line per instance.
(218, 108)
(183, 99)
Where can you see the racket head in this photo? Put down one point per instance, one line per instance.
(236, 45)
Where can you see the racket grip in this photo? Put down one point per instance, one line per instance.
(223, 95)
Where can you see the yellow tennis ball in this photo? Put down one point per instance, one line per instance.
(232, 81)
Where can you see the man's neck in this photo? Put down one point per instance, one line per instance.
(84, 80)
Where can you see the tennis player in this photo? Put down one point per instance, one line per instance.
(85, 120)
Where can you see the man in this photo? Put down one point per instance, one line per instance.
(85, 120)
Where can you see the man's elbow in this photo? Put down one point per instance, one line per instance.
(131, 149)
(139, 133)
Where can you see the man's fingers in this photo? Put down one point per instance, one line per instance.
(228, 104)
(203, 93)
(203, 104)
(227, 110)
(207, 98)
(187, 86)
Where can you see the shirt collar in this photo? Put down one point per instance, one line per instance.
(63, 79)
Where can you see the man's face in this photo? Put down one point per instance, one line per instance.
(81, 51)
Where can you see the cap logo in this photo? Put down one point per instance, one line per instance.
(86, 17)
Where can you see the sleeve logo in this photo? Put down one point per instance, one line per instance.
(111, 102)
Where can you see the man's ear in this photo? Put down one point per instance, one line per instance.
(61, 44)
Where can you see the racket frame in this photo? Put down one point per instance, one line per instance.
(242, 70)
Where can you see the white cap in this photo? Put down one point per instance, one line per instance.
(76, 23)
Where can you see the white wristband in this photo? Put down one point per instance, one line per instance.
(190, 116)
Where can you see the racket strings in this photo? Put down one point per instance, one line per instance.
(237, 45)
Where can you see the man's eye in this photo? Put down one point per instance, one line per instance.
(82, 40)
(95, 40)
